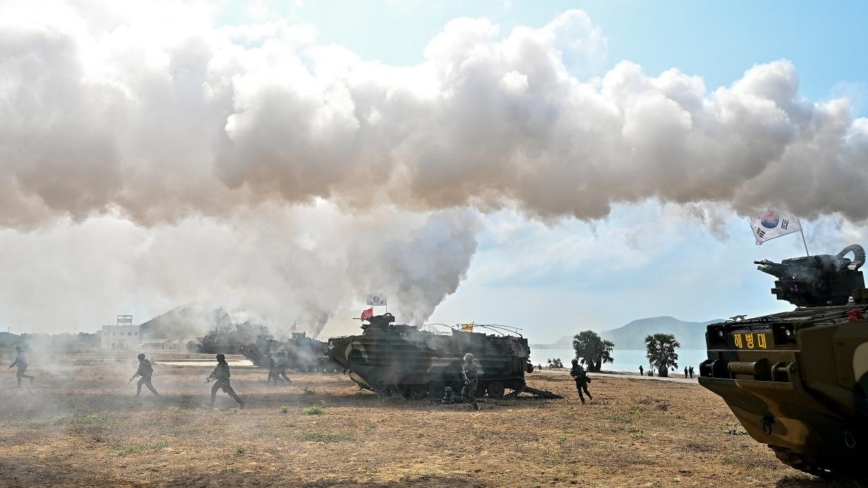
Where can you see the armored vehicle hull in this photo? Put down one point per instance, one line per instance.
(798, 381)
(299, 353)
(227, 340)
(402, 360)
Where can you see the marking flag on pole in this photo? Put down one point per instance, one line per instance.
(366, 314)
(772, 224)
(467, 327)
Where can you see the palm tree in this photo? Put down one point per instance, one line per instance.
(661, 352)
(592, 350)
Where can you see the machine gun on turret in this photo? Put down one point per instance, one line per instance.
(813, 281)
(378, 323)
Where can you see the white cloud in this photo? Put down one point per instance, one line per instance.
(156, 118)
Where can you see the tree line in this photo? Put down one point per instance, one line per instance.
(593, 351)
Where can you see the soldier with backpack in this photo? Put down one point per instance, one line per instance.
(145, 371)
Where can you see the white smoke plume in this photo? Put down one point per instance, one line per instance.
(208, 138)
(280, 266)
(105, 115)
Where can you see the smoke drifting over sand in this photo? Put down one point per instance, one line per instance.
(206, 138)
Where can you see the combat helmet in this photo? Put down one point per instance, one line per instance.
(19, 348)
(221, 357)
(141, 356)
(575, 361)
(468, 357)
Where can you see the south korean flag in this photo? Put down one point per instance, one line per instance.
(772, 223)
(377, 300)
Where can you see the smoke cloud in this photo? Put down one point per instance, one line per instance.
(264, 169)
(112, 117)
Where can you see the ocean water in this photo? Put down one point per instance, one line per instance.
(625, 359)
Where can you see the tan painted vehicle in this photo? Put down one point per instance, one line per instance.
(798, 381)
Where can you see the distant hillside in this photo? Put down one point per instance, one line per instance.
(7, 336)
(691, 335)
(192, 321)
(185, 322)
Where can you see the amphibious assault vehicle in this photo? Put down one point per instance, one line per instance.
(228, 339)
(402, 360)
(798, 381)
(299, 353)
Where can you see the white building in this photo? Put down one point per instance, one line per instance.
(123, 336)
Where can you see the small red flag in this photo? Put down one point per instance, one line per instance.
(293, 326)
(366, 314)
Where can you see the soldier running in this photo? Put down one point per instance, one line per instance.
(471, 380)
(281, 369)
(221, 377)
(21, 362)
(277, 368)
(582, 380)
(145, 371)
(271, 365)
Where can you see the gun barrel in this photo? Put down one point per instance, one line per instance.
(772, 268)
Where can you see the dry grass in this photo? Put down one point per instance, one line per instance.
(81, 426)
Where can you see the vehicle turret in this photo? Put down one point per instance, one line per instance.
(798, 380)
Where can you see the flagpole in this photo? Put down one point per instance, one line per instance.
(804, 242)
(803, 237)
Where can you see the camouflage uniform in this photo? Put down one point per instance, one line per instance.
(145, 371)
(448, 397)
(471, 380)
(21, 363)
(221, 376)
(281, 372)
(582, 380)
(272, 370)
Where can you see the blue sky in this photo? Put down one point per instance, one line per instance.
(715, 40)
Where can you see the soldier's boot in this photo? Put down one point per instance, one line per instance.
(235, 396)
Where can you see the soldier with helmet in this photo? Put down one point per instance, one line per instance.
(21, 363)
(471, 380)
(145, 371)
(582, 380)
(221, 376)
